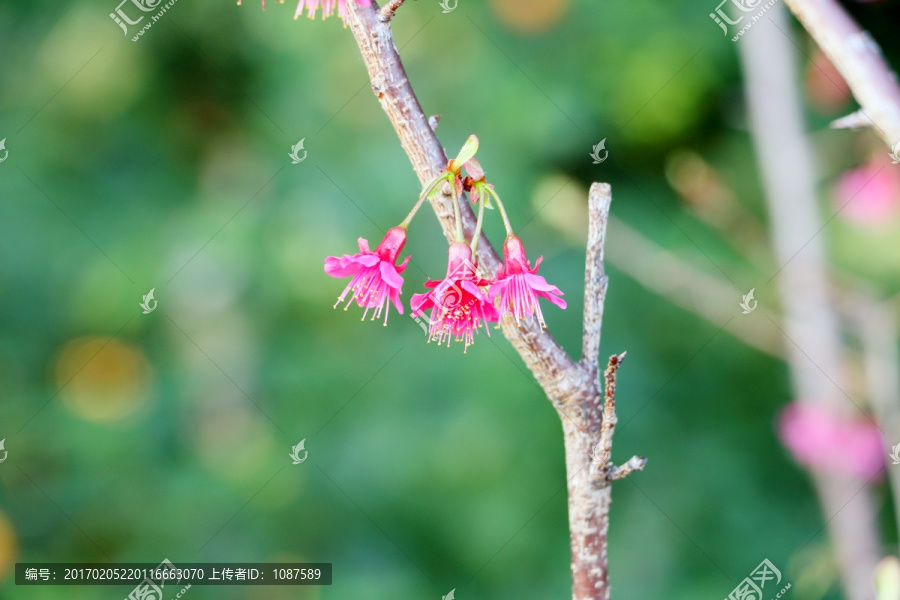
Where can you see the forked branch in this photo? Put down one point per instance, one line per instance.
(573, 387)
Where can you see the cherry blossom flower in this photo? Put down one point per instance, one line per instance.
(519, 286)
(375, 276)
(458, 305)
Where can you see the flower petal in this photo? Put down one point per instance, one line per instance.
(419, 303)
(497, 288)
(473, 168)
(539, 284)
(473, 289)
(402, 266)
(395, 298)
(336, 267)
(554, 299)
(390, 276)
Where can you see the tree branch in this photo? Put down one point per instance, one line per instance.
(858, 59)
(572, 387)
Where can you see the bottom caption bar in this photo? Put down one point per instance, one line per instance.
(167, 574)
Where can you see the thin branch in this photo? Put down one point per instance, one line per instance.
(858, 59)
(387, 12)
(855, 120)
(602, 453)
(603, 449)
(595, 279)
(635, 463)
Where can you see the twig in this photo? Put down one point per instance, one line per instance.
(572, 387)
(855, 120)
(635, 463)
(387, 12)
(602, 454)
(858, 59)
(595, 279)
(603, 449)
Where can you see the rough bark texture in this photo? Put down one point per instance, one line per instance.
(573, 387)
(589, 499)
(858, 59)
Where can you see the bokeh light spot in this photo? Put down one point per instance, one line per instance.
(102, 379)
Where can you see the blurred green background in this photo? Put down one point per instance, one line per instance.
(164, 164)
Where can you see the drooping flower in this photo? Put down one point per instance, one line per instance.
(328, 6)
(822, 440)
(458, 305)
(519, 286)
(376, 277)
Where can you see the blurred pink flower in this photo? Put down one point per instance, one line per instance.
(871, 193)
(821, 440)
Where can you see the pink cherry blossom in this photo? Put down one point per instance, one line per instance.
(375, 276)
(821, 440)
(458, 306)
(519, 286)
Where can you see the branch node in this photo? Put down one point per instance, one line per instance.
(388, 10)
(635, 463)
(433, 122)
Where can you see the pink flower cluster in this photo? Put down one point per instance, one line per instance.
(462, 302)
